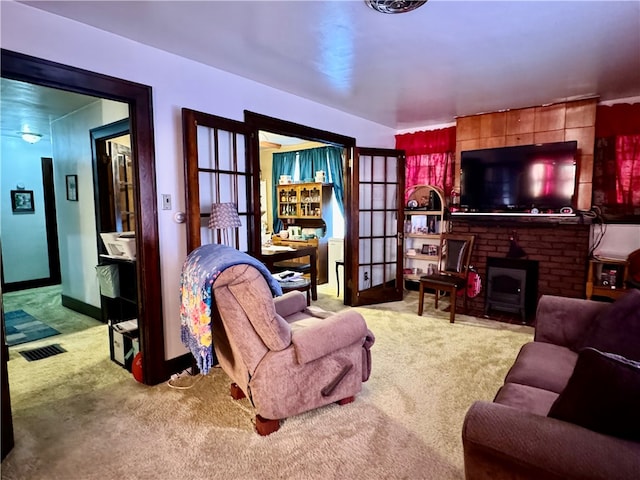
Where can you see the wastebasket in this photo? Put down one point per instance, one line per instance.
(109, 280)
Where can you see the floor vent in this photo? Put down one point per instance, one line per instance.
(42, 352)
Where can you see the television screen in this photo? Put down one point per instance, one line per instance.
(518, 179)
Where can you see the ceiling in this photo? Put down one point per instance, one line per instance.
(445, 59)
(31, 107)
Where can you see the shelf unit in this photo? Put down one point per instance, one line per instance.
(607, 278)
(119, 304)
(308, 205)
(303, 200)
(424, 225)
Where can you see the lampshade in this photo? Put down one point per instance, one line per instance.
(224, 215)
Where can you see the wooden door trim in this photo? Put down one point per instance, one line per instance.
(38, 71)
(283, 127)
(51, 223)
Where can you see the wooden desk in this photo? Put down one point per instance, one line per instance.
(270, 257)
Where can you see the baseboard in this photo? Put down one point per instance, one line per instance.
(178, 364)
(27, 284)
(81, 307)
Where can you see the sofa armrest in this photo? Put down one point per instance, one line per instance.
(325, 336)
(563, 321)
(290, 303)
(503, 442)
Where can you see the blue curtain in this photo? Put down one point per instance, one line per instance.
(328, 159)
(334, 162)
(283, 164)
(311, 161)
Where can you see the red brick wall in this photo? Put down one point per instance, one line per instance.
(561, 252)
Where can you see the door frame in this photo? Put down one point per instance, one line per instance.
(101, 181)
(291, 129)
(25, 68)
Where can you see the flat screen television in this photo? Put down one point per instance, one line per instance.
(519, 179)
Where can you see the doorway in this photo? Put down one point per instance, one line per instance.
(308, 158)
(51, 263)
(138, 97)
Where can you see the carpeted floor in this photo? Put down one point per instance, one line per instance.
(95, 421)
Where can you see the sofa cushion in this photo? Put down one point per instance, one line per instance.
(602, 395)
(617, 328)
(543, 365)
(526, 398)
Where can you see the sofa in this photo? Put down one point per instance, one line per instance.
(569, 407)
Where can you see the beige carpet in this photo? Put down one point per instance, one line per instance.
(95, 421)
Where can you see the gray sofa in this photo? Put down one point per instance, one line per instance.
(517, 437)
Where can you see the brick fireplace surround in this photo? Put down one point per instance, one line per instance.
(561, 250)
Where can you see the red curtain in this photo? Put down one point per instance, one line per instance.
(429, 157)
(618, 119)
(616, 163)
(628, 171)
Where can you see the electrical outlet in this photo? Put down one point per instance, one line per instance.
(166, 201)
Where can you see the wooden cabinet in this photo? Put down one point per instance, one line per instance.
(303, 200)
(424, 224)
(308, 205)
(607, 278)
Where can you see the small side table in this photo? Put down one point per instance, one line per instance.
(606, 278)
(302, 285)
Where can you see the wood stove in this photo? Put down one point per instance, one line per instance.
(512, 286)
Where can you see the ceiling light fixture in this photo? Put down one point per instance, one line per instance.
(394, 6)
(30, 137)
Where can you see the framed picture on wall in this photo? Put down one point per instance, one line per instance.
(22, 201)
(72, 188)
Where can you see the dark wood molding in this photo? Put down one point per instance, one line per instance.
(282, 127)
(7, 439)
(50, 220)
(42, 72)
(81, 307)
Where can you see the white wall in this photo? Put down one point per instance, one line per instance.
(176, 83)
(77, 220)
(617, 241)
(24, 236)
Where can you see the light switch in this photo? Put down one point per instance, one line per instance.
(166, 201)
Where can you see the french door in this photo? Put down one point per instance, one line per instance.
(222, 165)
(377, 212)
(219, 168)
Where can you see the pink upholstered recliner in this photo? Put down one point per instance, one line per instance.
(286, 357)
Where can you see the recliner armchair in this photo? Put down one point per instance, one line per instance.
(287, 358)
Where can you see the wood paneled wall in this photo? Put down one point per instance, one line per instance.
(558, 122)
